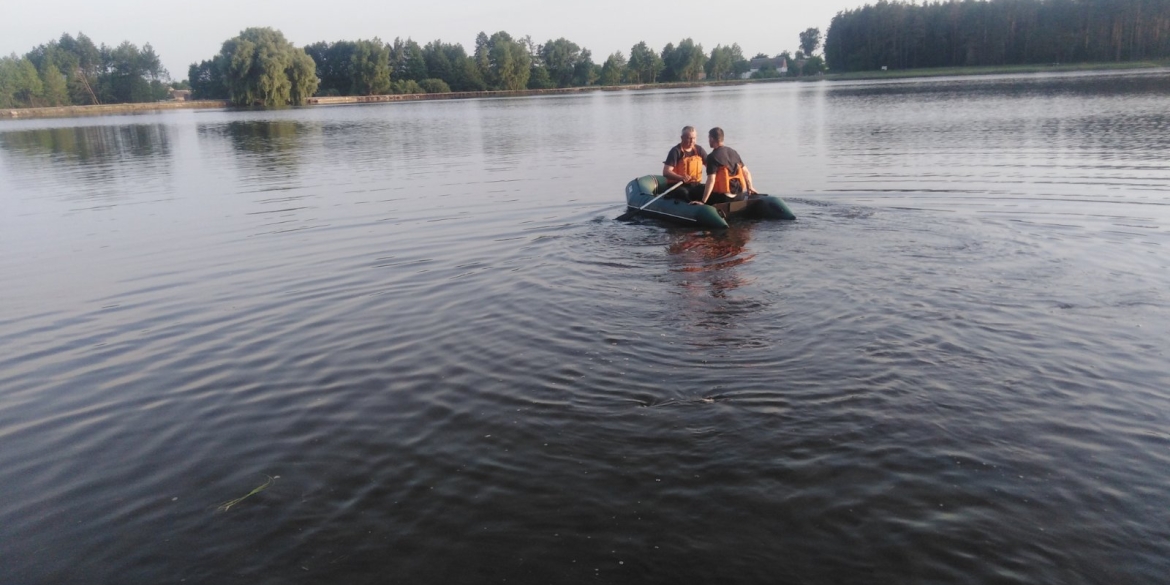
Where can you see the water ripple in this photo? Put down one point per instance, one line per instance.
(457, 367)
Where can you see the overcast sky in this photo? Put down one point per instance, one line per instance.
(187, 32)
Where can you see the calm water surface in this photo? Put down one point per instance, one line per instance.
(423, 322)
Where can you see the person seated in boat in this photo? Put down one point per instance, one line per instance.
(684, 163)
(728, 178)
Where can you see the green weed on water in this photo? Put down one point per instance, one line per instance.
(224, 507)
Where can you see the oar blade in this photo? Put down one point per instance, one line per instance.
(627, 216)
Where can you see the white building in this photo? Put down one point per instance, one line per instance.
(780, 64)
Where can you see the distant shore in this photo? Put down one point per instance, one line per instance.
(995, 70)
(108, 109)
(111, 109)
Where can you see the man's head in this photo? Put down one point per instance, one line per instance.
(715, 137)
(688, 137)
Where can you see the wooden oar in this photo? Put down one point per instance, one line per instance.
(629, 214)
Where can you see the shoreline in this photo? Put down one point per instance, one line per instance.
(106, 109)
(995, 70)
(114, 109)
(458, 95)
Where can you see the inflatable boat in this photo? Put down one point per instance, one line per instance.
(643, 190)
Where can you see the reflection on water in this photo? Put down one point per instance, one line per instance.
(93, 162)
(423, 318)
(89, 144)
(269, 148)
(715, 294)
(716, 251)
(1055, 138)
(274, 138)
(712, 257)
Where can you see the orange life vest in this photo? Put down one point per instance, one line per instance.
(727, 182)
(690, 165)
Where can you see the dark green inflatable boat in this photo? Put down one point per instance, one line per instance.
(643, 190)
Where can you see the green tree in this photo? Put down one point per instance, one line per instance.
(720, 65)
(159, 90)
(75, 71)
(613, 71)
(406, 86)
(127, 74)
(668, 69)
(370, 67)
(810, 41)
(450, 63)
(7, 81)
(334, 63)
(54, 87)
(93, 75)
(538, 78)
(533, 49)
(207, 82)
(437, 62)
(82, 69)
(561, 57)
(64, 62)
(434, 86)
(1002, 32)
(586, 72)
(21, 83)
(413, 64)
(685, 62)
(302, 74)
(813, 66)
(739, 64)
(261, 67)
(507, 61)
(470, 77)
(483, 61)
(12, 81)
(644, 65)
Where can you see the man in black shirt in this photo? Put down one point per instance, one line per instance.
(727, 177)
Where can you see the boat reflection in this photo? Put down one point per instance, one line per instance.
(707, 269)
(711, 257)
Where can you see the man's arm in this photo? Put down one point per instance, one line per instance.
(668, 172)
(706, 190)
(747, 178)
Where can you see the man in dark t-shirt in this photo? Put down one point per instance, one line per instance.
(684, 163)
(727, 177)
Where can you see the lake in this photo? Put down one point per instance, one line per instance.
(419, 327)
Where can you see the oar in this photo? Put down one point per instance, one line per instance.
(629, 214)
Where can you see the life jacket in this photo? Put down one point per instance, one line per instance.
(728, 182)
(690, 165)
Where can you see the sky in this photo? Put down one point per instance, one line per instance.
(187, 32)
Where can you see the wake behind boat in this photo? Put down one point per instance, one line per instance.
(643, 190)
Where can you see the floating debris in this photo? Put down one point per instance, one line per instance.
(228, 505)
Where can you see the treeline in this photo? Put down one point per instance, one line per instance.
(497, 62)
(74, 71)
(261, 67)
(997, 32)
